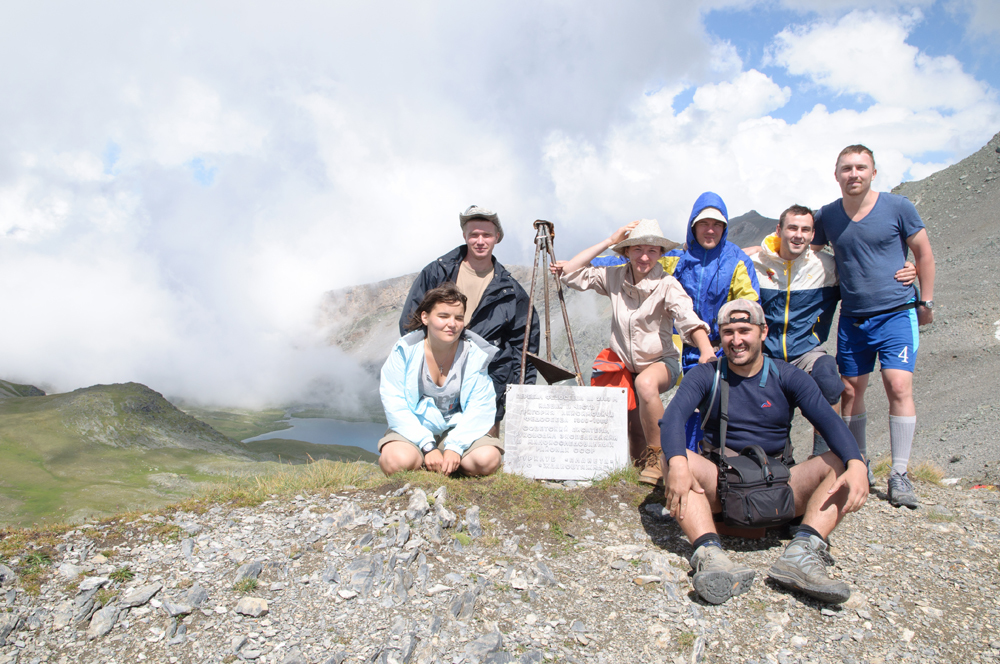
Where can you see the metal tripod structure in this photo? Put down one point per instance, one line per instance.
(545, 254)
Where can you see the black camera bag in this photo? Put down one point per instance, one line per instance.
(752, 487)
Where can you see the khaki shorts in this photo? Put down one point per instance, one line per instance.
(806, 360)
(391, 436)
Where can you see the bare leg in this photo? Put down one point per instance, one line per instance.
(400, 455)
(810, 482)
(698, 518)
(649, 384)
(483, 460)
(853, 400)
(899, 389)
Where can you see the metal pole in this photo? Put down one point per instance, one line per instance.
(565, 313)
(531, 297)
(545, 289)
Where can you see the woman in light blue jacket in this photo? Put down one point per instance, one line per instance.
(438, 396)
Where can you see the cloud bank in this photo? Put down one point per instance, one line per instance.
(179, 186)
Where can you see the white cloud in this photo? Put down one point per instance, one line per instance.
(726, 140)
(984, 15)
(865, 53)
(179, 187)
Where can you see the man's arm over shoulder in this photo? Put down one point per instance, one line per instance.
(819, 235)
(695, 386)
(802, 391)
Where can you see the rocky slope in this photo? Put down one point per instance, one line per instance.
(390, 576)
(10, 390)
(958, 405)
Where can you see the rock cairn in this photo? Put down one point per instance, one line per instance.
(400, 577)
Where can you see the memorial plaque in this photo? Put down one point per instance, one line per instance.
(560, 432)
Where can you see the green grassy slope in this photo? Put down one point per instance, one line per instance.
(101, 450)
(240, 424)
(297, 451)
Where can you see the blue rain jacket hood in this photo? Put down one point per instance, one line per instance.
(709, 199)
(711, 276)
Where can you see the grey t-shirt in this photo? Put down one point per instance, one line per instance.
(446, 397)
(868, 252)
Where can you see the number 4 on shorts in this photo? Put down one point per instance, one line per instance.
(904, 354)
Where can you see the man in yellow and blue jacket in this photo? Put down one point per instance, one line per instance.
(799, 292)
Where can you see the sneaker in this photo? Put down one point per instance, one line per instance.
(716, 577)
(901, 491)
(803, 567)
(871, 475)
(651, 472)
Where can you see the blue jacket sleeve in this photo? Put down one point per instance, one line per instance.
(806, 394)
(392, 390)
(692, 391)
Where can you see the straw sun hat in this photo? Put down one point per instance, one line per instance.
(647, 232)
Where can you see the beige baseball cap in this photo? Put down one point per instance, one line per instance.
(741, 311)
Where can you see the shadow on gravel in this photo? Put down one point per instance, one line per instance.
(664, 532)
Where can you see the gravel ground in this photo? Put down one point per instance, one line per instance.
(363, 576)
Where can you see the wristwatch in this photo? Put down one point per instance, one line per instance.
(927, 304)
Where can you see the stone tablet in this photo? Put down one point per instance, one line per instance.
(560, 432)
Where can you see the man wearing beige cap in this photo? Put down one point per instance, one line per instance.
(497, 306)
(761, 394)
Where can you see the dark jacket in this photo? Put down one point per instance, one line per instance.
(500, 318)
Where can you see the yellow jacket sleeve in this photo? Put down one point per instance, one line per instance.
(669, 264)
(741, 286)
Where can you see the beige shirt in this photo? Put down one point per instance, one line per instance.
(472, 285)
(644, 314)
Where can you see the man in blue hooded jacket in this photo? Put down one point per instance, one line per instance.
(713, 271)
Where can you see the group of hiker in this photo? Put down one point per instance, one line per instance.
(752, 323)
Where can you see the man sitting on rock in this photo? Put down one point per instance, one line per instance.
(760, 402)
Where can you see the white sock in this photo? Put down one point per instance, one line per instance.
(901, 430)
(857, 423)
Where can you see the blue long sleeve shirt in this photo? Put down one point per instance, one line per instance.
(757, 415)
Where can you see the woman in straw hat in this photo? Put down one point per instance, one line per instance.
(647, 304)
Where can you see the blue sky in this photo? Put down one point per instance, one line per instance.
(940, 30)
(179, 185)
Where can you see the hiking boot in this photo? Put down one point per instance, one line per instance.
(803, 567)
(716, 577)
(871, 475)
(901, 491)
(651, 472)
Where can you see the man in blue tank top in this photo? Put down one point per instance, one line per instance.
(871, 233)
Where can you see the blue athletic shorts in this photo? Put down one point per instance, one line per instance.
(893, 338)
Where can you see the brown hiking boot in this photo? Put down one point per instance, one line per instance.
(651, 472)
